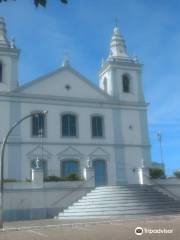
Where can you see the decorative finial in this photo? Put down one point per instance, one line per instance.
(12, 43)
(65, 59)
(116, 22)
(102, 62)
(3, 38)
(135, 58)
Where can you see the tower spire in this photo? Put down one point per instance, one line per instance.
(3, 38)
(117, 46)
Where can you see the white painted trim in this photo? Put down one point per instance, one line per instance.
(82, 144)
(69, 152)
(64, 101)
(33, 152)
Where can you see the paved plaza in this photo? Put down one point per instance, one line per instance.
(164, 227)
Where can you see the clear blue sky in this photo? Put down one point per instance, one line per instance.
(84, 27)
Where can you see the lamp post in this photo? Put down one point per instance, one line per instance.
(159, 137)
(2, 161)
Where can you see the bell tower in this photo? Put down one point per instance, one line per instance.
(120, 75)
(9, 55)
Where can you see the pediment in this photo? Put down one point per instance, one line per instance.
(70, 152)
(99, 153)
(40, 152)
(64, 82)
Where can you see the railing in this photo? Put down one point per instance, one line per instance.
(156, 181)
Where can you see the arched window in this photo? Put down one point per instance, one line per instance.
(68, 125)
(42, 164)
(38, 125)
(126, 83)
(70, 166)
(105, 84)
(97, 126)
(1, 72)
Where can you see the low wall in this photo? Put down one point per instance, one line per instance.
(169, 186)
(28, 201)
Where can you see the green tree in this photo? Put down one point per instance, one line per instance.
(39, 2)
(156, 172)
(177, 173)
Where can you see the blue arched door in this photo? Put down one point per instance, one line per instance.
(100, 172)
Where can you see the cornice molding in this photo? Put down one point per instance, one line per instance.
(126, 65)
(71, 144)
(55, 100)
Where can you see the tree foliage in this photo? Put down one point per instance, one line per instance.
(70, 177)
(39, 2)
(156, 173)
(177, 173)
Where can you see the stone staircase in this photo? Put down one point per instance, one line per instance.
(121, 201)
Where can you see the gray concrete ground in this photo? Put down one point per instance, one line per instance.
(157, 228)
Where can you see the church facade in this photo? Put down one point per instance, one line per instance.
(104, 126)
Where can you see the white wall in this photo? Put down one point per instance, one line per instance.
(22, 201)
(54, 143)
(121, 146)
(53, 123)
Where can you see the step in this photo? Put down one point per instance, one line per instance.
(125, 186)
(120, 212)
(124, 194)
(110, 198)
(99, 189)
(123, 216)
(123, 190)
(117, 201)
(119, 208)
(167, 203)
(122, 201)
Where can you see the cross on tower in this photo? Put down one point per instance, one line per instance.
(116, 21)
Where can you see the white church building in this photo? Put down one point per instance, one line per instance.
(104, 126)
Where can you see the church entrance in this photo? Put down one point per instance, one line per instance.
(100, 172)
